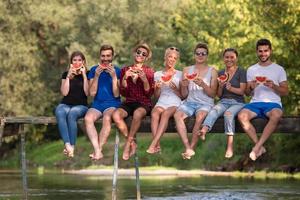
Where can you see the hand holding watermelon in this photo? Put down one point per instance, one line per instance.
(166, 78)
(191, 76)
(223, 78)
(261, 79)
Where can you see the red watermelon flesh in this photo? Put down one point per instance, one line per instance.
(166, 78)
(104, 65)
(77, 65)
(191, 76)
(223, 77)
(134, 69)
(261, 79)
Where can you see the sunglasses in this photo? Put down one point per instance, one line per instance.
(201, 53)
(141, 53)
(174, 49)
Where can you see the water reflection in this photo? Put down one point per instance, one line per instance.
(57, 186)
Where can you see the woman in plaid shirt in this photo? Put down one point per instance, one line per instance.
(136, 86)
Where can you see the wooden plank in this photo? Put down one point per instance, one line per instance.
(288, 124)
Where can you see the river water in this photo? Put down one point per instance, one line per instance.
(57, 186)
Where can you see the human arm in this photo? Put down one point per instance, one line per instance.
(85, 81)
(65, 82)
(175, 89)
(157, 89)
(115, 83)
(95, 74)
(212, 89)
(184, 83)
(282, 89)
(147, 76)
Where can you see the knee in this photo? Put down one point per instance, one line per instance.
(275, 115)
(88, 119)
(176, 115)
(243, 117)
(116, 117)
(228, 115)
(138, 115)
(60, 112)
(106, 119)
(165, 115)
(154, 115)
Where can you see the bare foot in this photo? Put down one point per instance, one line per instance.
(228, 154)
(188, 154)
(126, 152)
(151, 150)
(203, 132)
(69, 150)
(133, 147)
(96, 156)
(254, 155)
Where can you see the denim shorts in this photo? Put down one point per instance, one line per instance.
(192, 108)
(262, 108)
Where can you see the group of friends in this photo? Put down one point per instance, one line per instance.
(179, 94)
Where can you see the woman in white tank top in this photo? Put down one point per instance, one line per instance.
(167, 88)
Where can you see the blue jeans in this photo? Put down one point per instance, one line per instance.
(66, 116)
(225, 105)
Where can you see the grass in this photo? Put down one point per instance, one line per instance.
(209, 155)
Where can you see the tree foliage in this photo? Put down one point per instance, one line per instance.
(37, 37)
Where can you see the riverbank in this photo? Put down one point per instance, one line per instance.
(209, 155)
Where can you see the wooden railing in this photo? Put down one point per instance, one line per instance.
(15, 125)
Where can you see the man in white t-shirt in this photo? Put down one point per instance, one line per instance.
(266, 82)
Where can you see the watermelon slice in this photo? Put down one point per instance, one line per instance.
(104, 65)
(223, 78)
(166, 78)
(77, 65)
(134, 69)
(191, 76)
(261, 79)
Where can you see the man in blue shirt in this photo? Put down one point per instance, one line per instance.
(104, 87)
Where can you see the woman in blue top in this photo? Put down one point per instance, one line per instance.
(74, 88)
(231, 93)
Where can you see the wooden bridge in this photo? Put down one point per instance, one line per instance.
(15, 125)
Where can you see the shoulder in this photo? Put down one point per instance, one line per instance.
(279, 67)
(253, 67)
(178, 72)
(157, 73)
(148, 69)
(241, 70)
(93, 68)
(117, 68)
(213, 69)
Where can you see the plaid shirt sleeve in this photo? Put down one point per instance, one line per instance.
(150, 76)
(122, 88)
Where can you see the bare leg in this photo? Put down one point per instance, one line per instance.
(155, 118)
(229, 150)
(106, 127)
(165, 116)
(274, 117)
(137, 118)
(199, 119)
(118, 117)
(91, 116)
(244, 117)
(179, 117)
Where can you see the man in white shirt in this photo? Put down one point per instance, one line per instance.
(266, 83)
